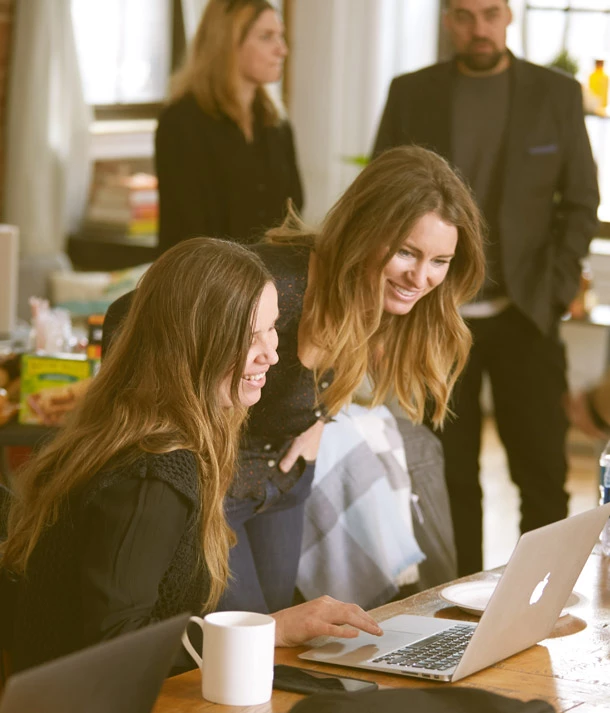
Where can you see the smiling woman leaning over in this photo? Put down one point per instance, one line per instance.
(119, 521)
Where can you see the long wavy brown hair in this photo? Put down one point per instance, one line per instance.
(210, 69)
(418, 356)
(188, 328)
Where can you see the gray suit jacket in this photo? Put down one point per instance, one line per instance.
(548, 207)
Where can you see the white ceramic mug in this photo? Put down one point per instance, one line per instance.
(237, 661)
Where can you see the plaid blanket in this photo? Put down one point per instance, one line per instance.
(358, 542)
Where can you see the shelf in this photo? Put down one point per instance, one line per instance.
(123, 139)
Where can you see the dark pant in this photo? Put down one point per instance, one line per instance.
(265, 560)
(527, 374)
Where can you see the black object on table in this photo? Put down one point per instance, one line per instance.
(108, 250)
(18, 434)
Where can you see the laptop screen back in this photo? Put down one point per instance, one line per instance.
(122, 675)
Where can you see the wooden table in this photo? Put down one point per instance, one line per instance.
(570, 669)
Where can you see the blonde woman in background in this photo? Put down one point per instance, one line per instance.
(375, 291)
(119, 521)
(225, 155)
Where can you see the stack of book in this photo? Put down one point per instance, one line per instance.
(125, 204)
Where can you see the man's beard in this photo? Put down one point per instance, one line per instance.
(479, 62)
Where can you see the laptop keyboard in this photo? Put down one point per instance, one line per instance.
(439, 652)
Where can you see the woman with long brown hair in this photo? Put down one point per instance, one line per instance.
(119, 521)
(375, 291)
(225, 156)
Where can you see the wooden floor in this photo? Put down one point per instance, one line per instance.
(501, 500)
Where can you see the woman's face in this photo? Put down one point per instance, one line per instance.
(262, 353)
(260, 57)
(420, 265)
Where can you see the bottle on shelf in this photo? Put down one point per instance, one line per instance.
(598, 84)
(604, 495)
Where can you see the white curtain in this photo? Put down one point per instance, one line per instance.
(47, 164)
(516, 35)
(191, 14)
(344, 55)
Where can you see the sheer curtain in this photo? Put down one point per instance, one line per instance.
(191, 13)
(344, 54)
(124, 49)
(516, 32)
(47, 167)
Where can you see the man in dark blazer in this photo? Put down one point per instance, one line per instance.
(516, 132)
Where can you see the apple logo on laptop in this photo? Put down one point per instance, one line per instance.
(539, 588)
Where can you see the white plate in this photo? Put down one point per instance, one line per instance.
(472, 597)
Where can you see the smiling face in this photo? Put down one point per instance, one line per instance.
(262, 353)
(260, 57)
(478, 32)
(420, 265)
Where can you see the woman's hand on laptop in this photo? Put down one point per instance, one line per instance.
(323, 616)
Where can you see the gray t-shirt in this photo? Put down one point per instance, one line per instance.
(480, 117)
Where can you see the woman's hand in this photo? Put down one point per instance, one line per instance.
(306, 446)
(323, 616)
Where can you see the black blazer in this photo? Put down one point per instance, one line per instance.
(548, 207)
(213, 183)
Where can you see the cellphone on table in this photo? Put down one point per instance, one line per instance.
(300, 680)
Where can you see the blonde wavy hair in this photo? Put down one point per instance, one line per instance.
(159, 390)
(210, 70)
(418, 356)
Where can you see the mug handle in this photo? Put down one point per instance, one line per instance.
(187, 642)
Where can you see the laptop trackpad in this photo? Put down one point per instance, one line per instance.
(399, 631)
(425, 625)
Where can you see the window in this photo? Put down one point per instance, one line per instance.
(579, 26)
(127, 49)
(582, 29)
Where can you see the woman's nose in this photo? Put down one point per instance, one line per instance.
(419, 275)
(272, 357)
(269, 354)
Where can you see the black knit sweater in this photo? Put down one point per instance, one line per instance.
(49, 616)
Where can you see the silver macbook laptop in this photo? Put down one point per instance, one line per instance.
(122, 675)
(522, 611)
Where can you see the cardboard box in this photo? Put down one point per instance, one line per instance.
(51, 386)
